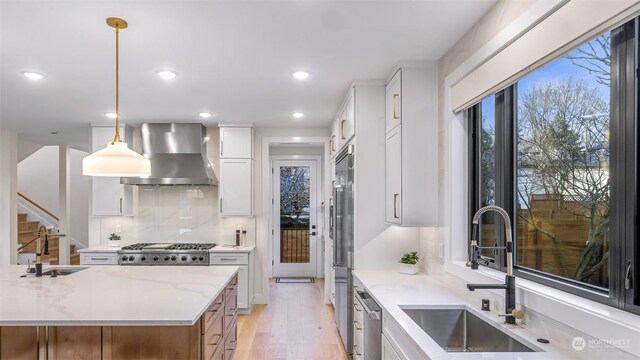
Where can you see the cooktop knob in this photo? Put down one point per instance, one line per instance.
(201, 258)
(194, 258)
(124, 258)
(166, 258)
(131, 258)
(184, 258)
(155, 258)
(173, 258)
(143, 258)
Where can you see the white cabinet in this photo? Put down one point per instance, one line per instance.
(245, 283)
(108, 196)
(344, 125)
(236, 142)
(411, 119)
(237, 169)
(98, 258)
(236, 187)
(388, 353)
(393, 101)
(393, 181)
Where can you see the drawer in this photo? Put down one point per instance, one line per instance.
(358, 342)
(98, 259)
(358, 312)
(231, 308)
(229, 258)
(214, 310)
(213, 336)
(231, 341)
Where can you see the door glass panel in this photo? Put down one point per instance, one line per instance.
(295, 190)
(563, 166)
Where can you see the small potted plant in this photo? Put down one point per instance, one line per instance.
(409, 263)
(114, 240)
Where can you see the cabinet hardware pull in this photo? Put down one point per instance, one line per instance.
(333, 143)
(628, 277)
(99, 258)
(395, 106)
(330, 146)
(121, 205)
(355, 306)
(355, 349)
(395, 206)
(221, 148)
(220, 204)
(342, 129)
(218, 337)
(357, 325)
(228, 259)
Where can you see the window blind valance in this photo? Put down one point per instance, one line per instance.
(570, 25)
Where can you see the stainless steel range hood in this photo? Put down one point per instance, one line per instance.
(178, 155)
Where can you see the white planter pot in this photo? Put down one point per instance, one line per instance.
(410, 269)
(114, 243)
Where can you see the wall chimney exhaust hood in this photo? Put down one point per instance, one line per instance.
(178, 155)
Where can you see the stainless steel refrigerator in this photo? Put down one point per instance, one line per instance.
(343, 245)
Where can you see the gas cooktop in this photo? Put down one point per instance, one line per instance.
(165, 254)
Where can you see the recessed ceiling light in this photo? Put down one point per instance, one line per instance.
(110, 115)
(167, 75)
(205, 115)
(300, 75)
(297, 115)
(33, 75)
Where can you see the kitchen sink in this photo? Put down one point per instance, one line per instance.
(459, 330)
(63, 271)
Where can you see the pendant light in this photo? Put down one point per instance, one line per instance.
(116, 159)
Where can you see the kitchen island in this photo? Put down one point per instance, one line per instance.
(119, 312)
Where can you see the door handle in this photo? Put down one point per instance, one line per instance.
(395, 106)
(313, 233)
(121, 205)
(221, 205)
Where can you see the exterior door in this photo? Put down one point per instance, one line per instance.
(295, 218)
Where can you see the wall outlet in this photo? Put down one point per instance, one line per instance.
(118, 229)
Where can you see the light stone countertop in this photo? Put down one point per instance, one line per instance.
(217, 249)
(391, 290)
(111, 295)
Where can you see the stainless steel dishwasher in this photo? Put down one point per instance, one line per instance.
(372, 326)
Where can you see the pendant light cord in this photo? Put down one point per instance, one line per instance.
(117, 137)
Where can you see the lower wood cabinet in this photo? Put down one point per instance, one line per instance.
(214, 336)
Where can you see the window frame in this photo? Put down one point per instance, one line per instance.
(623, 192)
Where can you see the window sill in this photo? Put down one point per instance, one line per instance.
(595, 319)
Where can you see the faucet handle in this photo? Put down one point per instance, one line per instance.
(518, 314)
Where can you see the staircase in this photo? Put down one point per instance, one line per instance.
(28, 230)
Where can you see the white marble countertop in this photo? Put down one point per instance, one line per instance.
(392, 290)
(218, 249)
(111, 295)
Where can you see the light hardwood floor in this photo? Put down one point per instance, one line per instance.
(295, 325)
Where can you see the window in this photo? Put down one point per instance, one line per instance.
(557, 151)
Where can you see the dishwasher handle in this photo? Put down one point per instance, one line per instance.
(371, 314)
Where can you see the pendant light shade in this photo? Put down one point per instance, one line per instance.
(116, 160)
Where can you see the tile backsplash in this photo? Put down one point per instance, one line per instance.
(181, 214)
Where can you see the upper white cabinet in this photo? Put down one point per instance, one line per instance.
(412, 147)
(236, 187)
(109, 197)
(393, 108)
(344, 125)
(236, 142)
(393, 179)
(237, 169)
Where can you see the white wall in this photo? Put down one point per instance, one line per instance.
(38, 180)
(8, 203)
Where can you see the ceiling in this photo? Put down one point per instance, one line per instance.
(234, 59)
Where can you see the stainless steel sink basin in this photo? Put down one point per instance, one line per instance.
(63, 271)
(459, 330)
